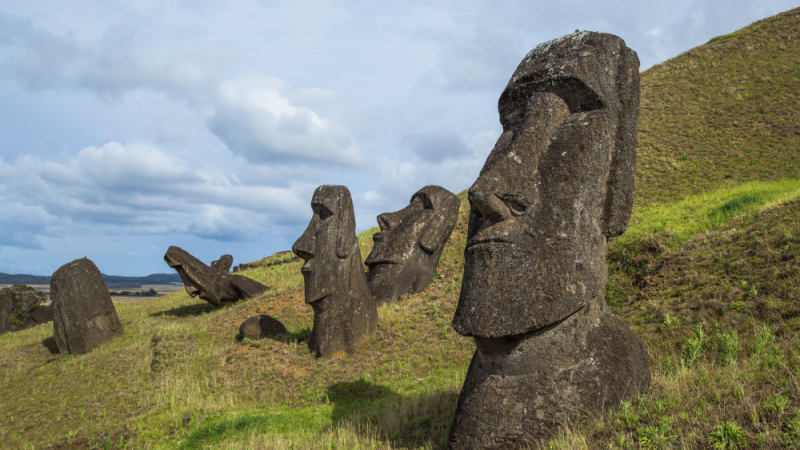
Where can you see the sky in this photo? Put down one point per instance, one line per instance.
(130, 126)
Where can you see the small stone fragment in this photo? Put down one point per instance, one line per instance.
(259, 327)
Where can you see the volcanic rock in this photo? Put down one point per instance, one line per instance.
(84, 315)
(259, 327)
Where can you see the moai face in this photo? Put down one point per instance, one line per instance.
(326, 244)
(408, 247)
(558, 182)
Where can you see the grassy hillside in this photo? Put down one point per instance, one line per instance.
(707, 276)
(723, 113)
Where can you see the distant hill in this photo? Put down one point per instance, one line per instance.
(111, 280)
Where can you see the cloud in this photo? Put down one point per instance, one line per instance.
(138, 188)
(256, 122)
(435, 147)
(22, 225)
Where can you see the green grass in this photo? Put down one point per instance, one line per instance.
(706, 275)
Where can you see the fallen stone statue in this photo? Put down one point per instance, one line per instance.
(345, 314)
(212, 284)
(83, 313)
(558, 183)
(409, 244)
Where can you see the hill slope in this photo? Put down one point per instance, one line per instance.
(722, 113)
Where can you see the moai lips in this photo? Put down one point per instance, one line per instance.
(557, 184)
(410, 243)
(345, 314)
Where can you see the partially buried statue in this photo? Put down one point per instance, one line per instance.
(212, 284)
(84, 314)
(335, 284)
(557, 184)
(407, 249)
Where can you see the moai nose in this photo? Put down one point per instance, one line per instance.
(387, 221)
(486, 196)
(304, 246)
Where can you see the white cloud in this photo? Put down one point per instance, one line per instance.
(138, 188)
(22, 225)
(256, 122)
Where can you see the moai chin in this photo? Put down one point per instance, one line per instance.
(407, 249)
(335, 283)
(557, 184)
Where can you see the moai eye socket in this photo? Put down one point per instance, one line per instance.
(322, 211)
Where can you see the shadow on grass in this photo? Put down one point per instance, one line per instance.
(407, 421)
(50, 345)
(190, 310)
(292, 337)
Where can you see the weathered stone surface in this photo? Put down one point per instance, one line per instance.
(83, 312)
(210, 284)
(558, 183)
(407, 249)
(223, 264)
(6, 305)
(335, 284)
(259, 327)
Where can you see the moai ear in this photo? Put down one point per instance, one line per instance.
(620, 185)
(428, 238)
(345, 225)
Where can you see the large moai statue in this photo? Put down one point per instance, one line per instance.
(335, 283)
(407, 249)
(83, 313)
(213, 284)
(557, 184)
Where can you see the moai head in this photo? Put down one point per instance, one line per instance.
(408, 247)
(327, 244)
(557, 184)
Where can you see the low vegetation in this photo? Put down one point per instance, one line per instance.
(707, 276)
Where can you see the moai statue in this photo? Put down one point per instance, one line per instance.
(212, 284)
(84, 314)
(407, 249)
(556, 186)
(335, 283)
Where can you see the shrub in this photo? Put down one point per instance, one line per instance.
(728, 347)
(727, 435)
